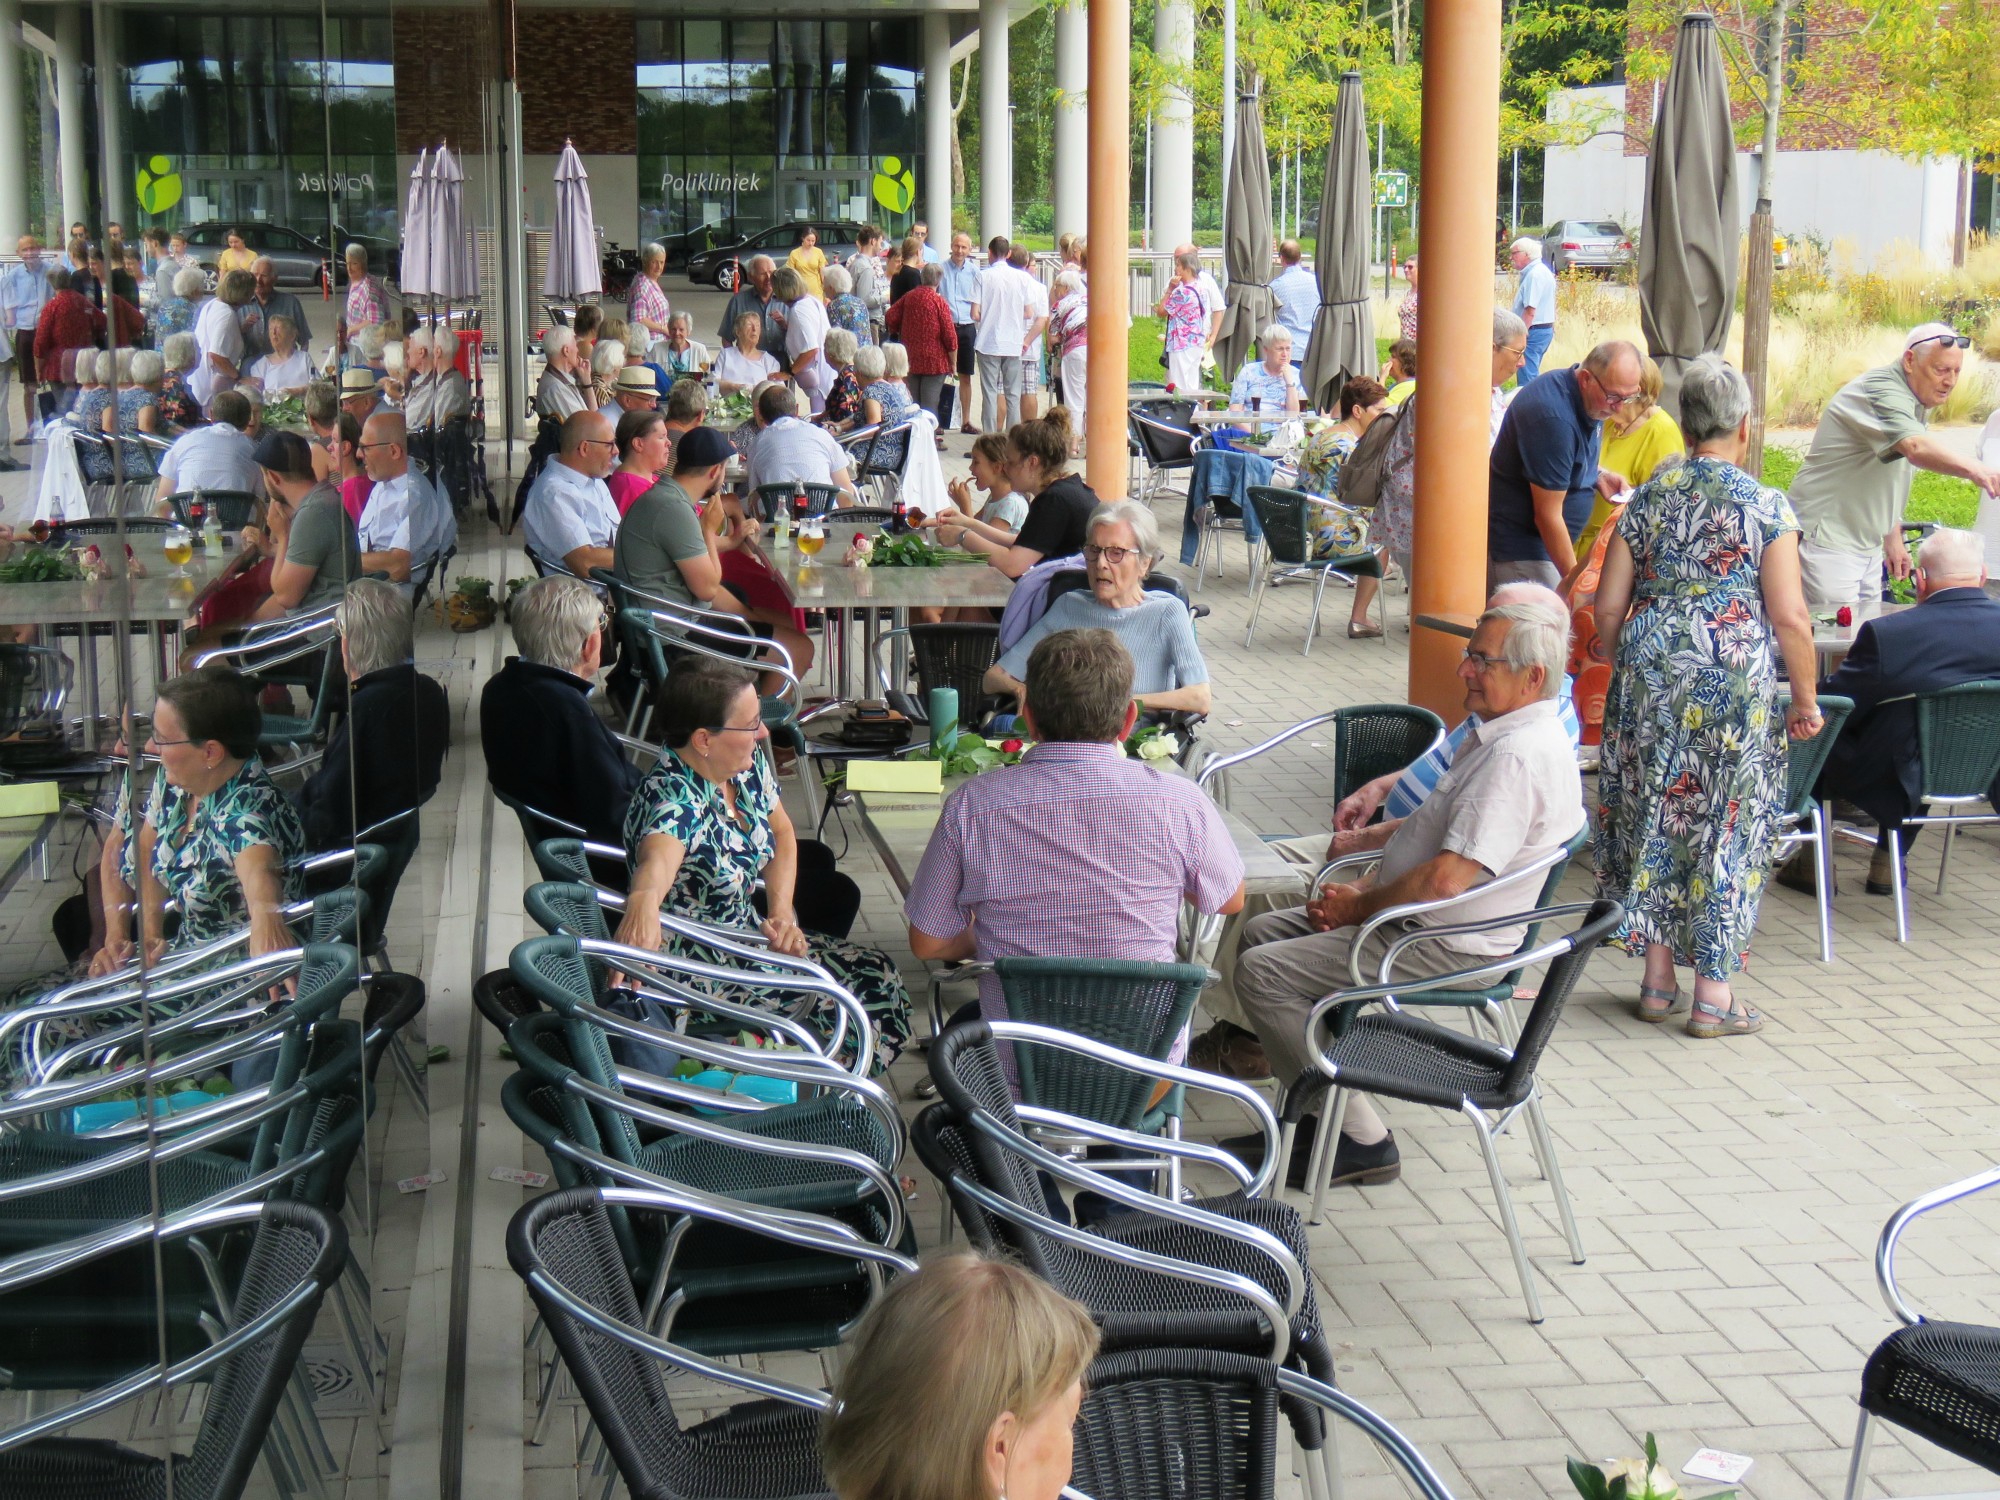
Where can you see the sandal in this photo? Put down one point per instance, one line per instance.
(1362, 632)
(1657, 1005)
(1708, 1022)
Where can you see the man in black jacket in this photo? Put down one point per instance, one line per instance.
(388, 752)
(545, 744)
(1952, 636)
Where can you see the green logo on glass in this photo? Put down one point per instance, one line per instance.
(895, 185)
(159, 185)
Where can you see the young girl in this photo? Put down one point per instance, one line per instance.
(1003, 508)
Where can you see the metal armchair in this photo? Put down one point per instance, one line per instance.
(1369, 740)
(1958, 741)
(1805, 819)
(1285, 518)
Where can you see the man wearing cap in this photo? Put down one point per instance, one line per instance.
(307, 535)
(636, 391)
(406, 523)
(360, 396)
(570, 517)
(217, 456)
(1851, 491)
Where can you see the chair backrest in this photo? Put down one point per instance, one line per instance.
(1564, 970)
(1140, 1007)
(1158, 1422)
(1069, 580)
(874, 513)
(1281, 515)
(1167, 411)
(1958, 739)
(502, 999)
(1163, 446)
(1373, 739)
(820, 498)
(34, 684)
(955, 656)
(889, 452)
(393, 1002)
(565, 906)
(296, 1246)
(69, 533)
(566, 859)
(1805, 759)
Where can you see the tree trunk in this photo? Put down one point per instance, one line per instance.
(1757, 291)
(1958, 222)
(957, 154)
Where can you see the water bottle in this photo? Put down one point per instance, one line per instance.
(781, 530)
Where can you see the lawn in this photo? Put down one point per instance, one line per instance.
(1142, 352)
(1933, 497)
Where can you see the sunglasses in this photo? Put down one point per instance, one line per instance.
(1949, 340)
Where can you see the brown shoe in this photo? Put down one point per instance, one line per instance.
(1799, 874)
(1882, 874)
(1230, 1051)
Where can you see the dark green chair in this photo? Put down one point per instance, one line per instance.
(1284, 516)
(1958, 741)
(1805, 819)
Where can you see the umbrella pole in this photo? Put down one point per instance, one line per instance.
(1461, 141)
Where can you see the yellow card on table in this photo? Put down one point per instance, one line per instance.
(27, 798)
(895, 775)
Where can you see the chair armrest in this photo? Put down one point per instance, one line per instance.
(1365, 857)
(1903, 1218)
(1388, 914)
(634, 743)
(1418, 1468)
(1223, 763)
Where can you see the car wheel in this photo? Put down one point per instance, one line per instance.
(725, 276)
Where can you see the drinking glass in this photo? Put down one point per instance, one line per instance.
(812, 537)
(178, 545)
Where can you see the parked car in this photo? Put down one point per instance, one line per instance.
(1587, 245)
(722, 266)
(298, 257)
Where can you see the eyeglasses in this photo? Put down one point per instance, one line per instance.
(1481, 662)
(736, 728)
(159, 744)
(1949, 340)
(598, 443)
(1520, 354)
(364, 447)
(1610, 401)
(1112, 555)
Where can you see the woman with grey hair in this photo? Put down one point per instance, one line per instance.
(174, 312)
(367, 303)
(287, 369)
(680, 355)
(843, 308)
(1268, 383)
(843, 397)
(1122, 543)
(177, 403)
(1705, 562)
(1069, 337)
(136, 409)
(648, 304)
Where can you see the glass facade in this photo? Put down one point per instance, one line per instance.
(743, 124)
(263, 119)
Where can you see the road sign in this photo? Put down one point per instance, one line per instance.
(1392, 189)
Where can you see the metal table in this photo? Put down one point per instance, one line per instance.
(823, 583)
(1832, 642)
(1235, 417)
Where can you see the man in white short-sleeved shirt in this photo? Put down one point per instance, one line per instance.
(406, 522)
(1005, 315)
(789, 451)
(570, 519)
(219, 456)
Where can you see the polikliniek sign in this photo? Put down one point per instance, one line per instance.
(336, 182)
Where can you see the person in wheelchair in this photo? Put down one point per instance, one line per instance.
(1123, 543)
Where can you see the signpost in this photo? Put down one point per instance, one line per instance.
(1392, 190)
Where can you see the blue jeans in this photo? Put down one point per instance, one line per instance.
(1539, 338)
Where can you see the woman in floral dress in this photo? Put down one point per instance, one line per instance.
(706, 825)
(1693, 776)
(1187, 325)
(218, 838)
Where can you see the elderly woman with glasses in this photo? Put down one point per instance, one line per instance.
(1268, 383)
(1700, 584)
(681, 355)
(707, 824)
(1122, 542)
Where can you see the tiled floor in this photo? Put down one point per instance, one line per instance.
(1729, 1193)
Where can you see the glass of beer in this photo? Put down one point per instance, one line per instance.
(812, 537)
(178, 545)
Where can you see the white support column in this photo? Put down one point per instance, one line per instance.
(996, 145)
(1173, 130)
(1072, 134)
(935, 193)
(69, 116)
(115, 177)
(14, 166)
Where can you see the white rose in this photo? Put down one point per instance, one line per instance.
(1658, 1484)
(1160, 747)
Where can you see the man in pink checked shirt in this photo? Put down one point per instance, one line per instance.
(1078, 851)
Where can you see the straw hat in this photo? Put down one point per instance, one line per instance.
(637, 380)
(357, 380)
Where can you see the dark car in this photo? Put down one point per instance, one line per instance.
(723, 266)
(298, 257)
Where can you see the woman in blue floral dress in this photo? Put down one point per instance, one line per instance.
(707, 824)
(218, 838)
(1693, 773)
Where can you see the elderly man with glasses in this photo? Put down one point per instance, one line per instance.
(1122, 544)
(1512, 796)
(1851, 490)
(1544, 465)
(570, 518)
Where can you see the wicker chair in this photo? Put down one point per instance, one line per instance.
(820, 498)
(1805, 819)
(295, 1256)
(1958, 741)
(1284, 516)
(1938, 1380)
(1369, 740)
(954, 656)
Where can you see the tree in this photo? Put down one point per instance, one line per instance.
(1945, 68)
(1807, 73)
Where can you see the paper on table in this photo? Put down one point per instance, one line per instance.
(895, 776)
(27, 798)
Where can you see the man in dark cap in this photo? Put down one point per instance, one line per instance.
(671, 542)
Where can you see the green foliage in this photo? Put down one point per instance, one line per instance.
(40, 565)
(475, 588)
(910, 551)
(968, 755)
(1933, 497)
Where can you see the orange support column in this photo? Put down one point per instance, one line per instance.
(1106, 468)
(1460, 197)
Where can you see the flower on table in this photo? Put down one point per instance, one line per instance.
(1013, 747)
(1160, 747)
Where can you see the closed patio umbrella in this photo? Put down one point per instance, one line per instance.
(1343, 336)
(454, 257)
(413, 275)
(1249, 304)
(1688, 237)
(574, 268)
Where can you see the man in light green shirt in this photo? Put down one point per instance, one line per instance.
(1851, 491)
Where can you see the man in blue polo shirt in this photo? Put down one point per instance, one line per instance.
(1544, 466)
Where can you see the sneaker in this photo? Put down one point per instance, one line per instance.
(1352, 1162)
(1230, 1051)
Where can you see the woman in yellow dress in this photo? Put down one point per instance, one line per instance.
(809, 260)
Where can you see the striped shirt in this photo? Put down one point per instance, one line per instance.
(1077, 852)
(1420, 777)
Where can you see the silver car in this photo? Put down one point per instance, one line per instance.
(1587, 245)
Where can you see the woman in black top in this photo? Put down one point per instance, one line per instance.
(911, 275)
(1059, 502)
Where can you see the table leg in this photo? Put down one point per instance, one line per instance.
(839, 644)
(899, 669)
(870, 629)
